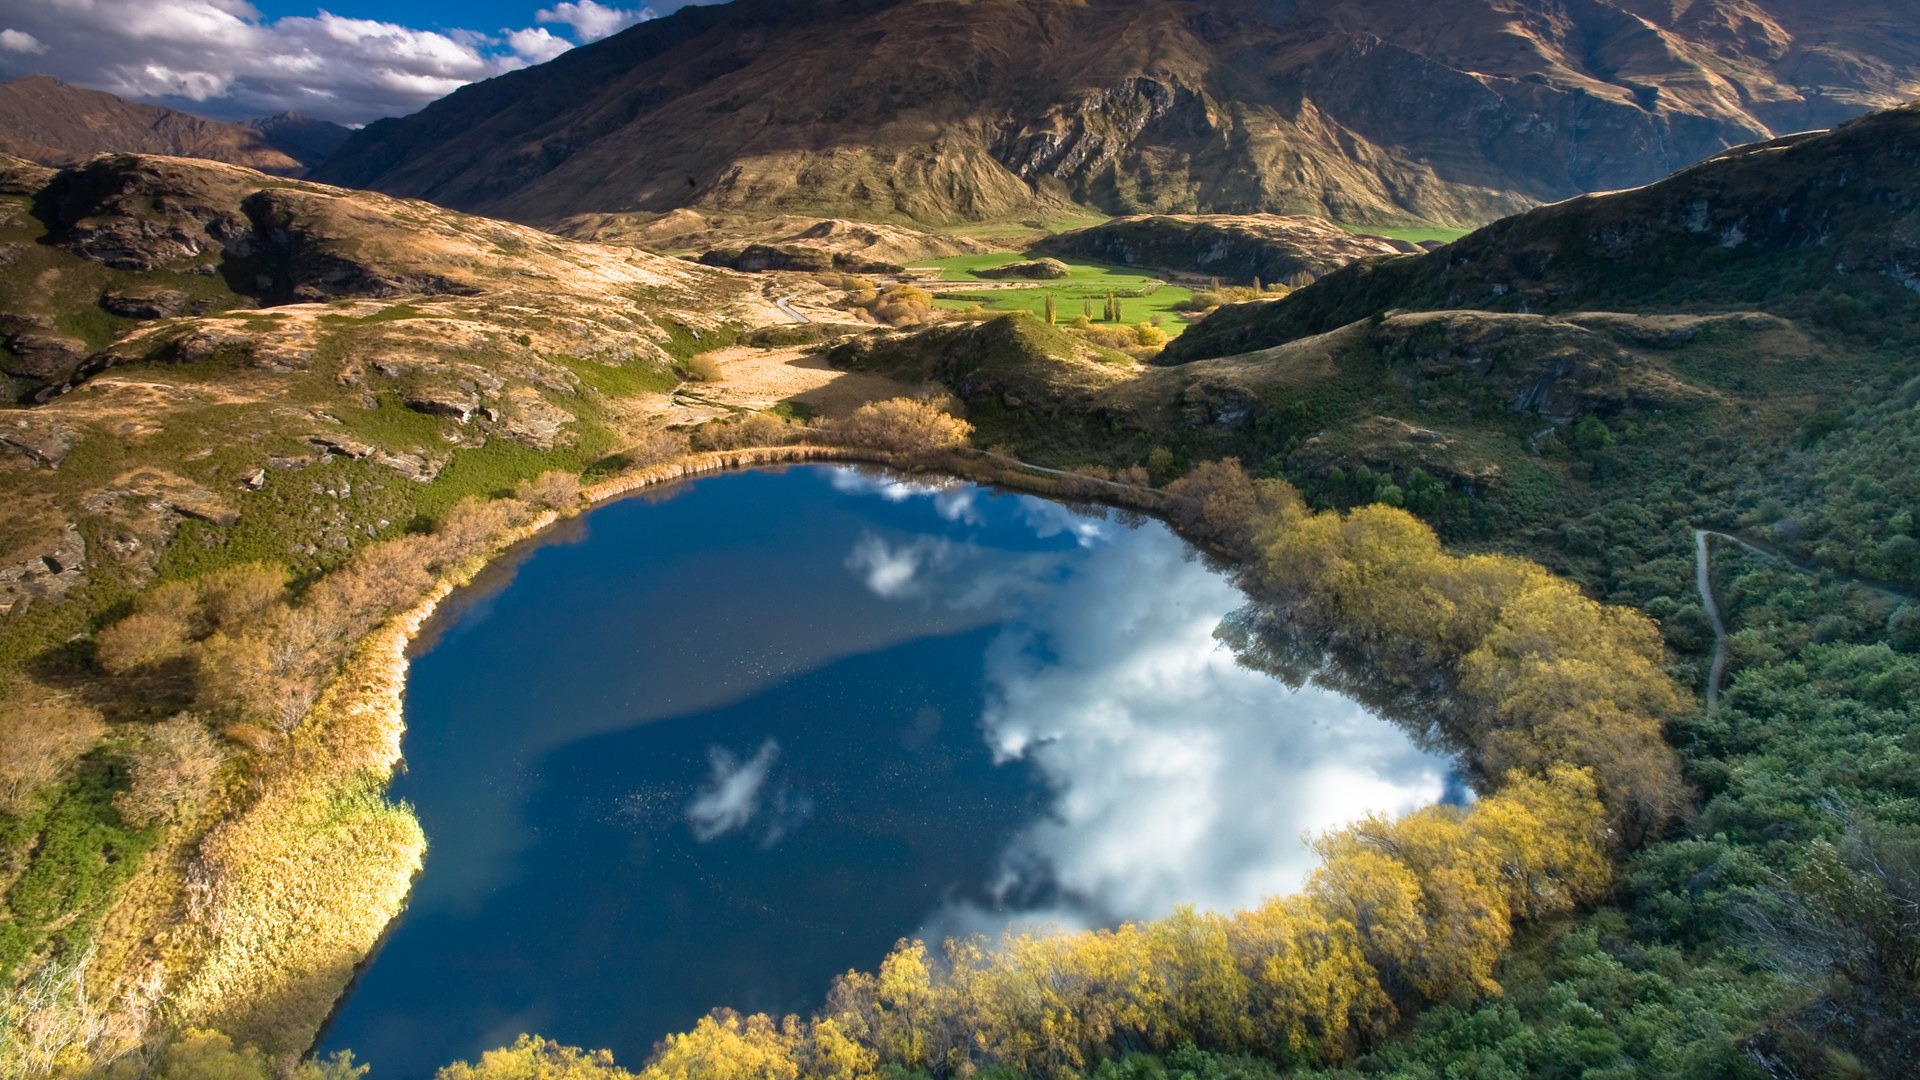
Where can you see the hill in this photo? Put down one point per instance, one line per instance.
(48, 121)
(1236, 248)
(1823, 225)
(1451, 112)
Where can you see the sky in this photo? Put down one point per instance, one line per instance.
(349, 61)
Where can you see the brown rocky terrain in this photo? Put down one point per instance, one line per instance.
(1453, 111)
(693, 232)
(48, 121)
(189, 339)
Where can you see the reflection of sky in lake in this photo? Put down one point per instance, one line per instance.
(716, 748)
(1177, 776)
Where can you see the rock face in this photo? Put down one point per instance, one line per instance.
(1450, 111)
(273, 244)
(1238, 248)
(48, 121)
(1826, 208)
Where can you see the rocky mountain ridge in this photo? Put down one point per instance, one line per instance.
(1455, 111)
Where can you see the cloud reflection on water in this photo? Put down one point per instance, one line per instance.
(1178, 776)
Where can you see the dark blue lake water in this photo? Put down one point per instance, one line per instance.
(716, 745)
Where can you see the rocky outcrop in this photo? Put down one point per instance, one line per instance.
(1028, 270)
(42, 439)
(37, 351)
(272, 244)
(45, 575)
(146, 302)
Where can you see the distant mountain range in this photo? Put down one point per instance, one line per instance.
(51, 122)
(1365, 111)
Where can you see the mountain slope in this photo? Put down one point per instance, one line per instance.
(1451, 111)
(45, 120)
(1806, 225)
(301, 138)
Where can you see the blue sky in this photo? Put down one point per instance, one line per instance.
(350, 61)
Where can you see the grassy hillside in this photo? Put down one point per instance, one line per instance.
(1234, 249)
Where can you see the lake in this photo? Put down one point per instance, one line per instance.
(714, 745)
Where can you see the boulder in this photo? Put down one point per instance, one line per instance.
(152, 302)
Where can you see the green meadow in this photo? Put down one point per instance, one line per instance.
(1084, 290)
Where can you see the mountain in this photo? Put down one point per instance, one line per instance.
(1365, 111)
(45, 120)
(302, 138)
(1799, 226)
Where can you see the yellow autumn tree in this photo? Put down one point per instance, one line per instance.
(831, 1054)
(726, 1046)
(1314, 996)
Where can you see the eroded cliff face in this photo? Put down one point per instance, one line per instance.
(1453, 111)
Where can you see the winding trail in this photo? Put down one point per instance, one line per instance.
(785, 304)
(1702, 581)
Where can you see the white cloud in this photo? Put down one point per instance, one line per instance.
(16, 41)
(732, 796)
(222, 57)
(1178, 776)
(592, 21)
(537, 45)
(891, 571)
